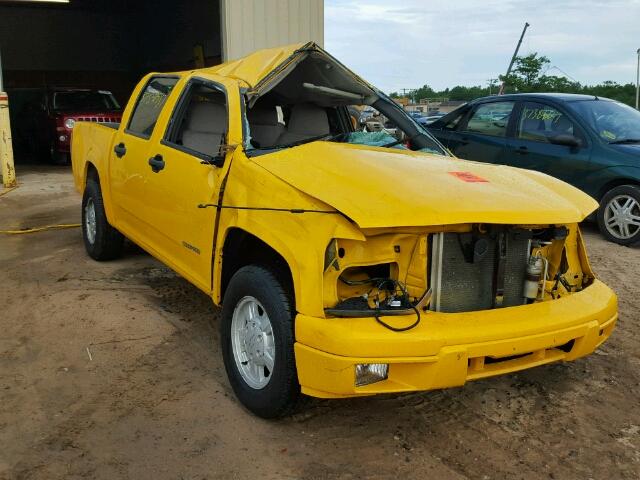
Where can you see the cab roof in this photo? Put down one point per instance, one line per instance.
(257, 65)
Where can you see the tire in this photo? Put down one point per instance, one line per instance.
(278, 392)
(60, 158)
(101, 240)
(619, 215)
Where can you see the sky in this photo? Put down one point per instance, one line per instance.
(397, 44)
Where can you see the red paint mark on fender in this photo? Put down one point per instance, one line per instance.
(468, 177)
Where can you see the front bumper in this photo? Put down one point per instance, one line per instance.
(447, 349)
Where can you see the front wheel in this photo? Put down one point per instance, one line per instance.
(619, 215)
(257, 339)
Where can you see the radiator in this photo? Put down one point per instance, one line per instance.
(460, 283)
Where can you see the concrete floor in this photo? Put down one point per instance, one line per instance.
(113, 371)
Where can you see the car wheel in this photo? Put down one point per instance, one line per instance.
(58, 158)
(257, 339)
(619, 215)
(101, 240)
(61, 158)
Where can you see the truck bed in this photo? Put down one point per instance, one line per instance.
(91, 142)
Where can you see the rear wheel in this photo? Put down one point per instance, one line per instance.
(101, 240)
(257, 339)
(619, 215)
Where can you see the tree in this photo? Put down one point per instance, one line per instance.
(529, 75)
(526, 73)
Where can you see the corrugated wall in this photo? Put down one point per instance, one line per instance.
(249, 25)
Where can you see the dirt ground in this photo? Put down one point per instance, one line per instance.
(113, 371)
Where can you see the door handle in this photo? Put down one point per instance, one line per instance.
(464, 141)
(120, 149)
(157, 163)
(522, 150)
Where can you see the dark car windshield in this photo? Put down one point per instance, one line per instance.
(84, 101)
(613, 121)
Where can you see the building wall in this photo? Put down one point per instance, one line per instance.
(249, 25)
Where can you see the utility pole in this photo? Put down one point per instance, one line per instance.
(513, 59)
(637, 81)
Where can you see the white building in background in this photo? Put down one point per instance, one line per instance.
(248, 25)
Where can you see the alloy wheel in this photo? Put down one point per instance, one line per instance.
(252, 342)
(622, 217)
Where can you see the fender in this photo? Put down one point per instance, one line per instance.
(610, 177)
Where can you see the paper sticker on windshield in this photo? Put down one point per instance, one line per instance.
(468, 177)
(608, 134)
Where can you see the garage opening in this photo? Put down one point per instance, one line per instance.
(81, 59)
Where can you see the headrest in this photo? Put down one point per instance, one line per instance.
(308, 119)
(263, 116)
(207, 117)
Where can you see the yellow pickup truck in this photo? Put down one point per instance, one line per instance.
(346, 262)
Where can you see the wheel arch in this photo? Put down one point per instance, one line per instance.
(242, 248)
(91, 172)
(618, 182)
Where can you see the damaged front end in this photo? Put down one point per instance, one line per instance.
(455, 269)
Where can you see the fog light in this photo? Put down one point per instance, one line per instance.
(367, 373)
(62, 138)
(69, 123)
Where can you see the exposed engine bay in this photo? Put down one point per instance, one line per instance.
(470, 268)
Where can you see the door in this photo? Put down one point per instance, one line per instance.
(128, 163)
(536, 144)
(183, 174)
(481, 136)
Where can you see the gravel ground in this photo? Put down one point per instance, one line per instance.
(112, 371)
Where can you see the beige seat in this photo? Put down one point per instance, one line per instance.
(306, 121)
(205, 126)
(264, 126)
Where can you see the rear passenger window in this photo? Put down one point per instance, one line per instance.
(150, 103)
(199, 123)
(491, 119)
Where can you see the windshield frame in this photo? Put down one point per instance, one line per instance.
(390, 109)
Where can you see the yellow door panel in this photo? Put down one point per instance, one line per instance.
(181, 231)
(128, 163)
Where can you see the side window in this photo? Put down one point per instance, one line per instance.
(150, 103)
(453, 123)
(491, 119)
(540, 123)
(199, 123)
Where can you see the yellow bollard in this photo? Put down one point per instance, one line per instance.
(6, 148)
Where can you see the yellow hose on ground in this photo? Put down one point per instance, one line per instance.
(40, 229)
(36, 229)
